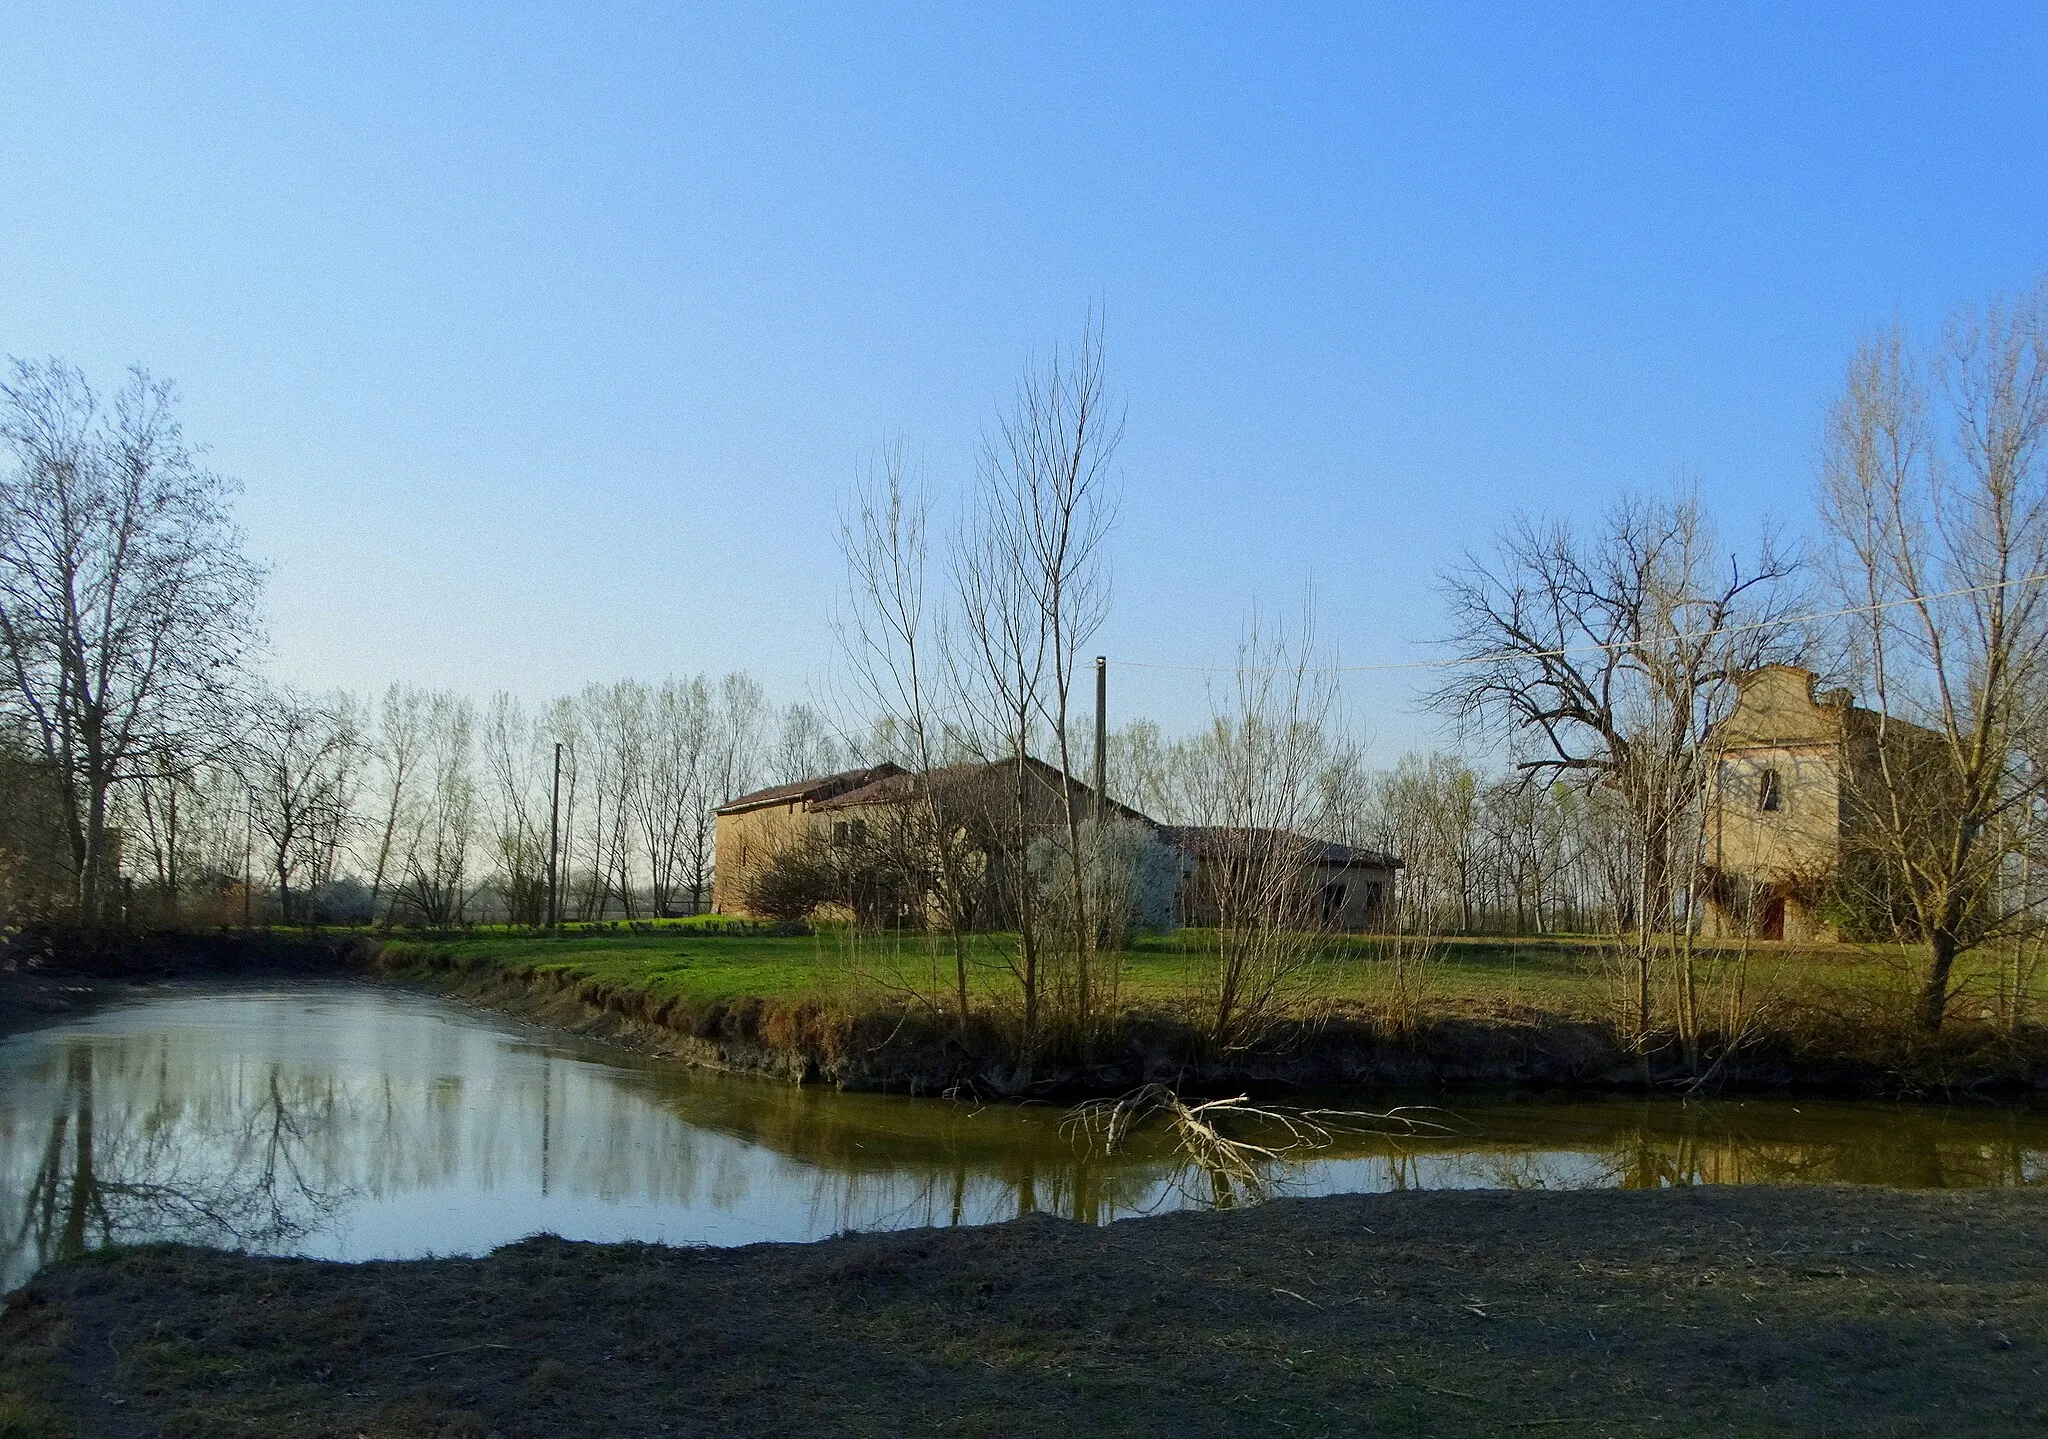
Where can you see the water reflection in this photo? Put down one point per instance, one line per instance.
(353, 1122)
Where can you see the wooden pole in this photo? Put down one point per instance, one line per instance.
(1101, 739)
(555, 844)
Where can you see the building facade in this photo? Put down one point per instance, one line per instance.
(1781, 816)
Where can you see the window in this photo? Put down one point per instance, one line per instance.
(1770, 792)
(849, 831)
(1333, 903)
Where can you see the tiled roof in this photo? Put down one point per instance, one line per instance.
(902, 785)
(898, 786)
(1218, 841)
(812, 790)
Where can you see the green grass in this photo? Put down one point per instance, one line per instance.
(669, 963)
(1573, 976)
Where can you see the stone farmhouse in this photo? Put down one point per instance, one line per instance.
(1781, 812)
(1352, 888)
(753, 829)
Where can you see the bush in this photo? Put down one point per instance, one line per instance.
(798, 879)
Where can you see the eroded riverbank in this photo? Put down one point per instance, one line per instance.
(895, 1050)
(1736, 1310)
(883, 1046)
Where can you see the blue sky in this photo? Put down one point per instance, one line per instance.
(544, 339)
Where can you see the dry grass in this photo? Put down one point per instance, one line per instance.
(1727, 1311)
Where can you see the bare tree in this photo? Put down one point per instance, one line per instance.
(1254, 788)
(297, 751)
(34, 878)
(518, 759)
(1936, 495)
(1424, 809)
(669, 796)
(564, 724)
(894, 641)
(398, 742)
(805, 747)
(736, 717)
(125, 602)
(1609, 661)
(438, 842)
(1033, 581)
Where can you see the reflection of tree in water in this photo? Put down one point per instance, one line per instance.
(958, 1190)
(174, 1132)
(226, 1175)
(1777, 1143)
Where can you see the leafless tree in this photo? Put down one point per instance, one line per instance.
(1424, 809)
(1608, 661)
(518, 759)
(670, 797)
(126, 605)
(1136, 770)
(894, 639)
(398, 743)
(1935, 490)
(612, 760)
(731, 762)
(35, 879)
(296, 753)
(805, 747)
(438, 841)
(1253, 790)
(1033, 580)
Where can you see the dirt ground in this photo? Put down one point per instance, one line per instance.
(1725, 1311)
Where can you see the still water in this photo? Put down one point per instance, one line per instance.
(349, 1121)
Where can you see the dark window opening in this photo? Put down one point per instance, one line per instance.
(1770, 794)
(1333, 902)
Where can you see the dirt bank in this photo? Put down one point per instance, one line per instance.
(1764, 1311)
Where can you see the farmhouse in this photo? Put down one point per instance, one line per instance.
(857, 816)
(1783, 812)
(751, 830)
(862, 810)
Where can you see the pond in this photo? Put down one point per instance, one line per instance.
(353, 1121)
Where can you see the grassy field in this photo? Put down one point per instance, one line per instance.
(1741, 1311)
(865, 1011)
(1480, 976)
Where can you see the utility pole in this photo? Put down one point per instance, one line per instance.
(1101, 739)
(248, 854)
(555, 843)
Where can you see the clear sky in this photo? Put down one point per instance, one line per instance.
(544, 338)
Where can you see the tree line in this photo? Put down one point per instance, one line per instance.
(423, 807)
(149, 773)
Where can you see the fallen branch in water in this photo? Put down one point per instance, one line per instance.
(1200, 1137)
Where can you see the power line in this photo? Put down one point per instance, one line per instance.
(1501, 656)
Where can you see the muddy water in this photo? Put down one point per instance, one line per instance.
(353, 1122)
